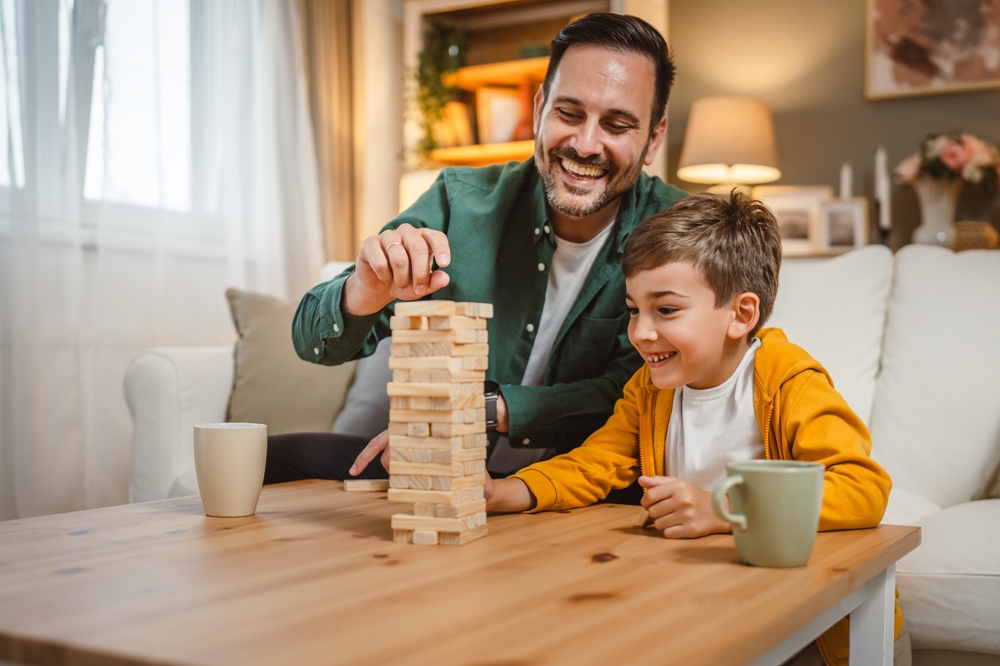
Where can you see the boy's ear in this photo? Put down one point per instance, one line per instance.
(746, 312)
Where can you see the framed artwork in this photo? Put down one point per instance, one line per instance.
(924, 48)
(797, 210)
(497, 113)
(843, 224)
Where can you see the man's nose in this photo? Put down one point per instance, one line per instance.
(588, 140)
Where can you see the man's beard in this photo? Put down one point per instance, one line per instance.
(617, 182)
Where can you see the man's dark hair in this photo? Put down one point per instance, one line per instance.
(620, 32)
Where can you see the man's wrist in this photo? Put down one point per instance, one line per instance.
(351, 304)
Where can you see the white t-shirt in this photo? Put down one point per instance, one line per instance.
(711, 427)
(571, 263)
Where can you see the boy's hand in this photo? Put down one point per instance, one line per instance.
(509, 495)
(680, 509)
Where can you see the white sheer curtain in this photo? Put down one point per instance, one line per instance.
(152, 153)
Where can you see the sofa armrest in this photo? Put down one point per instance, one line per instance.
(168, 391)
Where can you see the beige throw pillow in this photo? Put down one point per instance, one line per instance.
(271, 384)
(991, 486)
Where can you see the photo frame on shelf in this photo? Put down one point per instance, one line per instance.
(797, 210)
(497, 113)
(930, 48)
(843, 225)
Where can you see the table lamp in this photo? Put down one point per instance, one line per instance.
(729, 143)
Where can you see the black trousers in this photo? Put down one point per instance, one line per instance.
(323, 455)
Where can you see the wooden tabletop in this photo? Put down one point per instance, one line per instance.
(315, 578)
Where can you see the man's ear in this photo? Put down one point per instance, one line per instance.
(656, 140)
(539, 105)
(746, 313)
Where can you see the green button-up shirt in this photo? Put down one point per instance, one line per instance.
(502, 243)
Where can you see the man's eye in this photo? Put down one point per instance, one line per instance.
(618, 128)
(566, 114)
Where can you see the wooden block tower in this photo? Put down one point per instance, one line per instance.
(437, 420)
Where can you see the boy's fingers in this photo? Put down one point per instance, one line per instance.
(373, 449)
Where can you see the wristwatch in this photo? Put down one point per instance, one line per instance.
(491, 390)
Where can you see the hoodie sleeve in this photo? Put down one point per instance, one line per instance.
(608, 459)
(817, 425)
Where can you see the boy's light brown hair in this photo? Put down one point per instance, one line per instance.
(733, 241)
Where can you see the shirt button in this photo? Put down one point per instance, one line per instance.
(537, 231)
(336, 328)
(546, 228)
(316, 351)
(541, 267)
(530, 328)
(526, 441)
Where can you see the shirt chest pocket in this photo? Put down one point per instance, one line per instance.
(584, 352)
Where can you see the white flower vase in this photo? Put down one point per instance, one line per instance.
(937, 211)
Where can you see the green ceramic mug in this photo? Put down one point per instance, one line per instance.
(774, 509)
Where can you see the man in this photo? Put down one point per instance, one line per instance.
(541, 240)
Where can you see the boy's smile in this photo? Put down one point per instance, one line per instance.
(682, 336)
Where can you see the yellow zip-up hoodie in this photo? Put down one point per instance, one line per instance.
(801, 417)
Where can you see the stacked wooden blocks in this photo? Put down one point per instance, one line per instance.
(437, 420)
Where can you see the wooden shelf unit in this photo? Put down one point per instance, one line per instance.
(483, 154)
(509, 73)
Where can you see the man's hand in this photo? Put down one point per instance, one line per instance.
(378, 445)
(680, 509)
(396, 265)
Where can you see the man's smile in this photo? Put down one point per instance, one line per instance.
(582, 172)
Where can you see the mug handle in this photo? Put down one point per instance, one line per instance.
(719, 505)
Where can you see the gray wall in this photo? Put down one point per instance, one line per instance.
(806, 59)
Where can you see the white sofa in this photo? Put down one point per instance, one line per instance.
(910, 340)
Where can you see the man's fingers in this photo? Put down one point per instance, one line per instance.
(398, 256)
(420, 260)
(372, 254)
(374, 448)
(438, 243)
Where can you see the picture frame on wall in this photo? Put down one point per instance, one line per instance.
(926, 48)
(797, 210)
(843, 225)
(497, 113)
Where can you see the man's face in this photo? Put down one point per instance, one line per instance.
(592, 133)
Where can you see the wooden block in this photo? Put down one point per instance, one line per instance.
(400, 351)
(420, 481)
(402, 536)
(458, 510)
(433, 390)
(418, 429)
(484, 310)
(455, 482)
(414, 455)
(458, 538)
(404, 442)
(397, 427)
(474, 466)
(401, 375)
(475, 441)
(425, 537)
(474, 362)
(445, 349)
(442, 376)
(429, 308)
(403, 467)
(452, 429)
(456, 322)
(366, 485)
(398, 481)
(408, 323)
(439, 362)
(459, 496)
(425, 416)
(421, 402)
(427, 509)
(473, 415)
(407, 521)
(456, 455)
(399, 402)
(460, 335)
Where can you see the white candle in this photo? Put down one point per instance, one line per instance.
(846, 180)
(882, 189)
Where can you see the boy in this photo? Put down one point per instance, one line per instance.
(701, 278)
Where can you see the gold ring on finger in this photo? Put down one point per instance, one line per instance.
(391, 245)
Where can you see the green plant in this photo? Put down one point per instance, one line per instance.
(443, 52)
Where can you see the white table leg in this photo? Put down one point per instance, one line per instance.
(872, 622)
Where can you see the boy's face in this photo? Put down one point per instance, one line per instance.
(674, 324)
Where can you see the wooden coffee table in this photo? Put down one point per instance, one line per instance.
(315, 578)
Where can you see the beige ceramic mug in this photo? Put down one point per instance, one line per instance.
(229, 459)
(774, 508)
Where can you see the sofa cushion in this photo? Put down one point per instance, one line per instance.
(949, 587)
(366, 410)
(835, 310)
(271, 384)
(907, 508)
(937, 403)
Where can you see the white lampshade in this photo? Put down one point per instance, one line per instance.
(729, 140)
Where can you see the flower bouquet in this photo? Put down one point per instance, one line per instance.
(937, 172)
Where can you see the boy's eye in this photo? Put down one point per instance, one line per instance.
(632, 312)
(664, 310)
